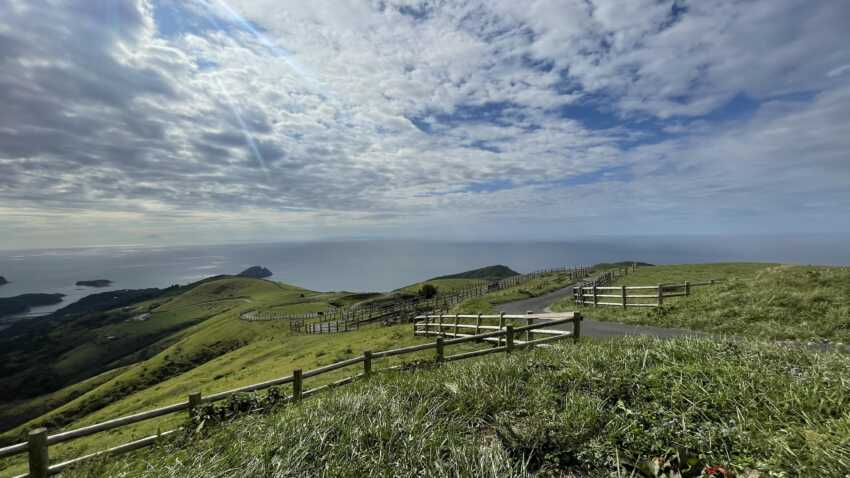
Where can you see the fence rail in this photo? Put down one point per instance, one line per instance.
(633, 296)
(505, 336)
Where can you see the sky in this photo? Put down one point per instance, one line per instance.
(216, 121)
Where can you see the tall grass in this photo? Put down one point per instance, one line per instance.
(593, 409)
(776, 302)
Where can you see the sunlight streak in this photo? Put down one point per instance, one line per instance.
(248, 137)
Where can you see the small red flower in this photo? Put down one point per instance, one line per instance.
(716, 471)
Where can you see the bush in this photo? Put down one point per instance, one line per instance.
(427, 291)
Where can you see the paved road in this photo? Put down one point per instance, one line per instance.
(590, 327)
(535, 304)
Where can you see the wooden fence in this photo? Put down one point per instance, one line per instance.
(37, 445)
(405, 309)
(462, 326)
(633, 296)
(268, 315)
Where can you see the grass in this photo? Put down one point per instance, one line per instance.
(275, 355)
(758, 300)
(444, 286)
(195, 341)
(183, 332)
(490, 273)
(487, 304)
(593, 409)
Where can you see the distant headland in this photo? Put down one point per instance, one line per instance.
(21, 304)
(95, 283)
(256, 272)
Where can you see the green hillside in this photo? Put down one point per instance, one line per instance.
(535, 287)
(476, 277)
(490, 273)
(171, 334)
(193, 340)
(759, 300)
(595, 409)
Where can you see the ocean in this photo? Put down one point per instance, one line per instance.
(378, 265)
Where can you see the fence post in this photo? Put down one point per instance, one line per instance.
(501, 326)
(38, 458)
(687, 288)
(439, 349)
(509, 338)
(660, 294)
(595, 298)
(529, 335)
(478, 325)
(440, 326)
(367, 363)
(194, 403)
(457, 318)
(623, 293)
(297, 385)
(577, 318)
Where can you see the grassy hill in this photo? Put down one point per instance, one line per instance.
(760, 300)
(165, 336)
(193, 339)
(490, 273)
(488, 303)
(593, 409)
(452, 282)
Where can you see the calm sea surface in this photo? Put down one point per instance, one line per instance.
(378, 265)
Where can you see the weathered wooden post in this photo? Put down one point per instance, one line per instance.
(529, 335)
(367, 363)
(623, 294)
(509, 338)
(660, 299)
(577, 318)
(440, 326)
(194, 403)
(595, 298)
(687, 288)
(457, 319)
(501, 326)
(38, 458)
(439, 349)
(297, 385)
(478, 325)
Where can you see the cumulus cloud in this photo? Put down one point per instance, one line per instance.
(133, 118)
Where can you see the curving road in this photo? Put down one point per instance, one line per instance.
(590, 327)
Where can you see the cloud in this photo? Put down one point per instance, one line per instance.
(333, 117)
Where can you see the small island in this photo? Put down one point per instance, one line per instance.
(255, 272)
(95, 283)
(3, 281)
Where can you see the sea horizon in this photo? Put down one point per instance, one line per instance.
(361, 265)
